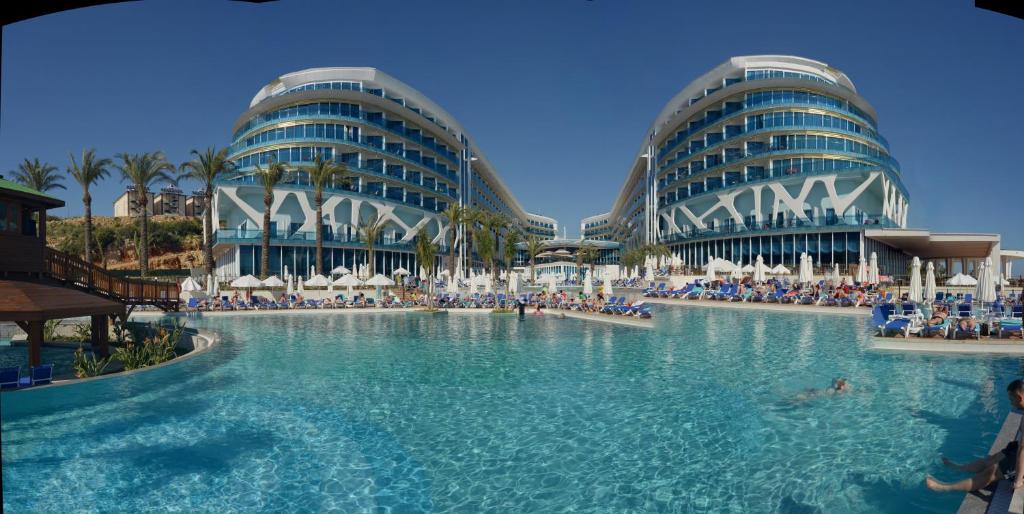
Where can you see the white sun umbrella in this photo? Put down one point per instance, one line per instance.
(862, 270)
(588, 283)
(348, 281)
(423, 273)
(962, 280)
(401, 272)
(710, 272)
(759, 269)
(299, 283)
(987, 282)
(749, 268)
(330, 289)
(272, 281)
(246, 282)
(216, 287)
(873, 269)
(737, 271)
(781, 270)
(929, 283)
(649, 272)
(552, 283)
(513, 283)
(607, 285)
(380, 281)
(836, 278)
(979, 288)
(340, 270)
(190, 286)
(801, 271)
(291, 287)
(209, 284)
(915, 294)
(317, 281)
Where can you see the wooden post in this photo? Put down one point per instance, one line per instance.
(35, 342)
(100, 335)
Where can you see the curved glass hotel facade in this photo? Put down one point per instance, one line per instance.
(769, 155)
(407, 160)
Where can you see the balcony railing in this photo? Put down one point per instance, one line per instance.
(305, 238)
(690, 132)
(856, 221)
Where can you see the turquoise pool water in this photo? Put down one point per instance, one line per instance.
(479, 413)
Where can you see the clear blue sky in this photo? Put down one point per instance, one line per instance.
(558, 94)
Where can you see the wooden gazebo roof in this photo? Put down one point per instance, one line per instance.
(30, 301)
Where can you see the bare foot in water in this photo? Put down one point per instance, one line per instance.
(935, 485)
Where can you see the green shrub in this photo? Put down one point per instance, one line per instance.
(88, 366)
(157, 344)
(50, 329)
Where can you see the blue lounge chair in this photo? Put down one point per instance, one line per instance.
(964, 310)
(10, 378)
(930, 330)
(959, 333)
(193, 304)
(774, 298)
(695, 293)
(37, 375)
(369, 302)
(880, 317)
(1010, 325)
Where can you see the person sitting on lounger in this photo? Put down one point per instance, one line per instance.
(995, 467)
(966, 324)
(283, 300)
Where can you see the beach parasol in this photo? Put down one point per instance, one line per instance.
(272, 281)
(915, 294)
(929, 282)
(348, 281)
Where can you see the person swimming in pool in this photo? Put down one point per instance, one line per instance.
(839, 385)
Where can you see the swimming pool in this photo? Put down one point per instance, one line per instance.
(470, 413)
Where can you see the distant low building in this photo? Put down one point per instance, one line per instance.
(169, 200)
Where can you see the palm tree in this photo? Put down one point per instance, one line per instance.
(142, 171)
(454, 216)
(371, 230)
(37, 175)
(533, 248)
(495, 222)
(322, 173)
(470, 217)
(485, 247)
(89, 172)
(206, 168)
(511, 240)
(588, 254)
(269, 177)
(425, 254)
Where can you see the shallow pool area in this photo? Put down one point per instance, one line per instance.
(476, 412)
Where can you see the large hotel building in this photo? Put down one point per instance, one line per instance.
(763, 155)
(407, 160)
(775, 156)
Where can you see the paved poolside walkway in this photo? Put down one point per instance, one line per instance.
(715, 304)
(1007, 500)
(920, 344)
(630, 321)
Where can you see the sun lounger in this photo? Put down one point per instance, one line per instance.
(37, 375)
(10, 378)
(774, 298)
(964, 310)
(959, 333)
(1010, 325)
(696, 293)
(881, 316)
(930, 330)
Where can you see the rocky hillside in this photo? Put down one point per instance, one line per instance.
(175, 242)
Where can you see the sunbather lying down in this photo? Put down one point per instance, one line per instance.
(938, 317)
(966, 324)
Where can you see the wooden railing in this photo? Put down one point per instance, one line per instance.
(89, 277)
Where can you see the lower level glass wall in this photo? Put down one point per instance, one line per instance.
(300, 258)
(825, 249)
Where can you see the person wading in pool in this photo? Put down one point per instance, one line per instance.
(995, 467)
